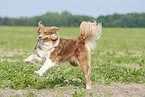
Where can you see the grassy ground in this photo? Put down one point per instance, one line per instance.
(118, 58)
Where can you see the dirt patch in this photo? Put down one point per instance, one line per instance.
(4, 54)
(120, 53)
(114, 90)
(11, 53)
(9, 60)
(129, 65)
(122, 90)
(32, 92)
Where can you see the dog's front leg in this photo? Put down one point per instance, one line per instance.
(48, 64)
(33, 59)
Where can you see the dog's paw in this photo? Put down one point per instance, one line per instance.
(27, 61)
(37, 73)
(88, 87)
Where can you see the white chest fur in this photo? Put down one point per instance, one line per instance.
(45, 49)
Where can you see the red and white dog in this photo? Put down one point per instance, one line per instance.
(51, 49)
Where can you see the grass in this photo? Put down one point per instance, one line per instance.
(116, 46)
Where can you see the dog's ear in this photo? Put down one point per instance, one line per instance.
(54, 28)
(40, 25)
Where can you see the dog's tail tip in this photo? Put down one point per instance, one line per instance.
(91, 32)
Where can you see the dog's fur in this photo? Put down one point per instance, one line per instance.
(75, 51)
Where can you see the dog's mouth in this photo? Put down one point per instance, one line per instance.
(39, 40)
(53, 37)
(43, 38)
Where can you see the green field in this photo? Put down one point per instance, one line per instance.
(119, 57)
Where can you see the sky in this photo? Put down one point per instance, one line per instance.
(94, 8)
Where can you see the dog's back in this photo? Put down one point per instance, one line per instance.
(68, 48)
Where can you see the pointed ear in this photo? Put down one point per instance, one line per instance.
(40, 25)
(54, 28)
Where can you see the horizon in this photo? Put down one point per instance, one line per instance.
(75, 14)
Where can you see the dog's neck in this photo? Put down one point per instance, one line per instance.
(47, 45)
(46, 48)
(57, 42)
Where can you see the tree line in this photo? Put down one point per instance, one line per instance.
(66, 19)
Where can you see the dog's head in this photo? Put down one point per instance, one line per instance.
(47, 33)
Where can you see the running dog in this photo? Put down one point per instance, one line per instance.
(51, 49)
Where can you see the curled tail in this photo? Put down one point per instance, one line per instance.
(91, 32)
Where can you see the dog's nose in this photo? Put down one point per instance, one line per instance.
(39, 37)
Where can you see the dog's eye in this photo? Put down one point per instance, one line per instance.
(39, 32)
(45, 33)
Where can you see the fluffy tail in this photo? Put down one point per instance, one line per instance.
(91, 32)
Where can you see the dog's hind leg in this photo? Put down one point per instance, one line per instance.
(85, 70)
(84, 64)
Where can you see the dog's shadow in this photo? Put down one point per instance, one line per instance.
(61, 82)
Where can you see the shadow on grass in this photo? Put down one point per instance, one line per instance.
(61, 81)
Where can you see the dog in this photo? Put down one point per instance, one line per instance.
(51, 49)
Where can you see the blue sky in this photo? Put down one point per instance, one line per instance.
(95, 8)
